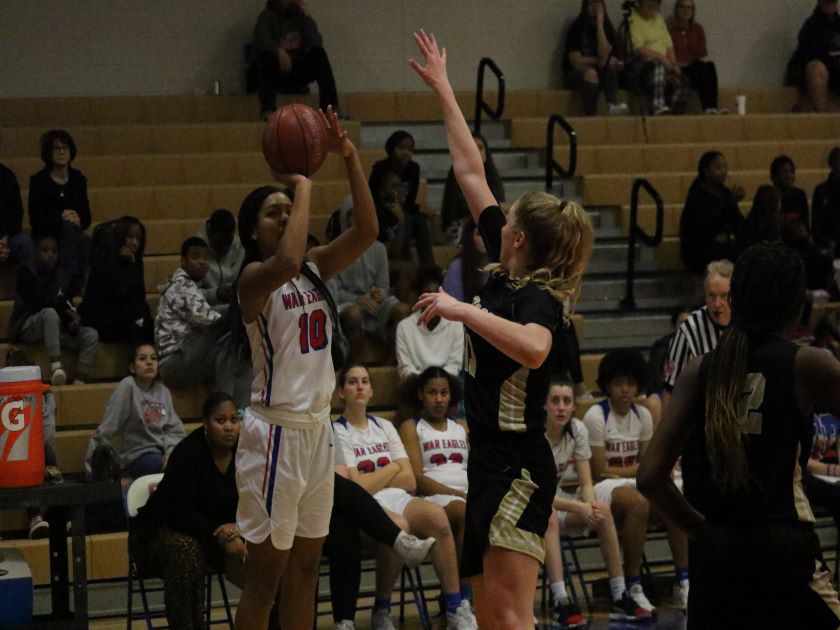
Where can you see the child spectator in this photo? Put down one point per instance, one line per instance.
(794, 200)
(815, 65)
(465, 274)
(290, 55)
(378, 462)
(690, 50)
(825, 206)
(577, 512)
(588, 62)
(454, 212)
(114, 302)
(710, 219)
(363, 294)
(44, 313)
(400, 150)
(619, 432)
(225, 257)
(59, 206)
(15, 244)
(182, 314)
(141, 416)
(654, 65)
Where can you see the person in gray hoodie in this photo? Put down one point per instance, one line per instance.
(225, 255)
(142, 418)
(363, 294)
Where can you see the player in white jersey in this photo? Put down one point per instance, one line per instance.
(619, 432)
(284, 461)
(378, 462)
(438, 450)
(577, 512)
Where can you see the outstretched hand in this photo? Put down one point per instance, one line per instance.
(434, 72)
(438, 304)
(337, 139)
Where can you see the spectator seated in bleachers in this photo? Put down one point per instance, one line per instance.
(576, 512)
(653, 65)
(15, 245)
(437, 448)
(363, 295)
(186, 359)
(692, 54)
(43, 312)
(822, 470)
(114, 302)
(794, 200)
(140, 422)
(588, 61)
(290, 55)
(764, 219)
(710, 220)
(377, 461)
(825, 207)
(815, 65)
(59, 206)
(400, 149)
(38, 527)
(188, 526)
(225, 257)
(438, 343)
(619, 432)
(454, 213)
(465, 275)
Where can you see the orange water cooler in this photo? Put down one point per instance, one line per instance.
(21, 427)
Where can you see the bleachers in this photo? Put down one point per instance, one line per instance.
(172, 160)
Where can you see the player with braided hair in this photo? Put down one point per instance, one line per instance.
(741, 419)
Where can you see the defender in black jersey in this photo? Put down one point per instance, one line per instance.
(538, 254)
(740, 418)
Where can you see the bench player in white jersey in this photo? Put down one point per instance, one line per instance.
(619, 432)
(284, 461)
(577, 512)
(438, 450)
(377, 461)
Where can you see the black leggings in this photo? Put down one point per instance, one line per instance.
(354, 510)
(704, 79)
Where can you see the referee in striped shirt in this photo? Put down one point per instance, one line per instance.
(700, 333)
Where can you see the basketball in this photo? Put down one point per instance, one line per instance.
(295, 140)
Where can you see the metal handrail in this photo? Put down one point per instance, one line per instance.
(629, 302)
(480, 104)
(552, 166)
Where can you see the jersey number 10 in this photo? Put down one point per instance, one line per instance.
(313, 331)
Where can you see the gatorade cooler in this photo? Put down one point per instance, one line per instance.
(21, 427)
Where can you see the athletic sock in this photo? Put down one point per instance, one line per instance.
(380, 603)
(451, 601)
(617, 587)
(558, 590)
(682, 574)
(466, 591)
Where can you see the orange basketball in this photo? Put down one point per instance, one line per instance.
(295, 140)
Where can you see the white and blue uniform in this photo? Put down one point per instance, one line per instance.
(444, 455)
(284, 460)
(572, 446)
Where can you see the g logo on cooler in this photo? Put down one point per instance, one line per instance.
(12, 416)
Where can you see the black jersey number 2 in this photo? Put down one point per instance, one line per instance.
(754, 391)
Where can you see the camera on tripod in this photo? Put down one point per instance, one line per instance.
(627, 6)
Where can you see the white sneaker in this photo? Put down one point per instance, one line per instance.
(617, 109)
(58, 377)
(662, 111)
(345, 624)
(638, 594)
(463, 617)
(681, 594)
(382, 620)
(413, 550)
